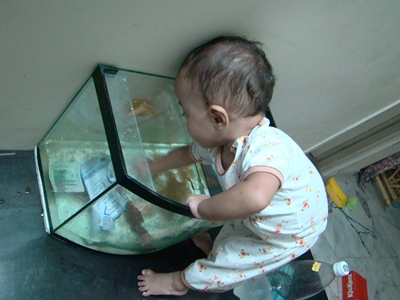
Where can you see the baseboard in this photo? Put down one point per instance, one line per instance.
(363, 144)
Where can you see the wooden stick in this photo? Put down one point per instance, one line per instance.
(394, 174)
(388, 188)
(383, 191)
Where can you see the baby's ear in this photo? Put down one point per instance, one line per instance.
(219, 116)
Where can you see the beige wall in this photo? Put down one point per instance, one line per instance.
(337, 62)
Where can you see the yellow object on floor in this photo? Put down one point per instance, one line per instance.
(335, 193)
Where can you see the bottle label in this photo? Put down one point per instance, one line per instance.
(316, 266)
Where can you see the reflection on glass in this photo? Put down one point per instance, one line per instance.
(122, 223)
(176, 184)
(83, 200)
(74, 146)
(150, 124)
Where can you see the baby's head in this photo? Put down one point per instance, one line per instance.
(232, 72)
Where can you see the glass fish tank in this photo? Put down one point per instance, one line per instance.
(92, 165)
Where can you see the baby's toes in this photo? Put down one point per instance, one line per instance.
(142, 289)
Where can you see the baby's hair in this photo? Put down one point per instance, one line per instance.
(233, 72)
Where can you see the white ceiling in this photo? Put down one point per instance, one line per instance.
(336, 62)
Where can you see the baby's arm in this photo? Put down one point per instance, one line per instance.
(175, 159)
(242, 200)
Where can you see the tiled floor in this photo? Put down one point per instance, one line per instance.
(378, 261)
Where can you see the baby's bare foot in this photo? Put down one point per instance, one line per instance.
(151, 283)
(204, 242)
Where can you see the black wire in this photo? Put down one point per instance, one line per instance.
(359, 233)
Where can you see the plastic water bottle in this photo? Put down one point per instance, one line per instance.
(297, 280)
(257, 289)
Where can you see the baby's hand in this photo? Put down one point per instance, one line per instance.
(193, 202)
(140, 168)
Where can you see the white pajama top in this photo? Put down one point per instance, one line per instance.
(284, 230)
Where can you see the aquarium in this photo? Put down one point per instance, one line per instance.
(96, 187)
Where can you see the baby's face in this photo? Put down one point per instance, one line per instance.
(199, 121)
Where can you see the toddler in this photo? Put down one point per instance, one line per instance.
(273, 203)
